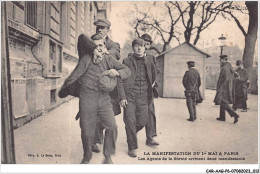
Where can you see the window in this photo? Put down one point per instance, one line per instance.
(55, 20)
(52, 67)
(55, 59)
(31, 13)
(59, 61)
(53, 95)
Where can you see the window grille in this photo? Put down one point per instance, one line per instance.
(31, 13)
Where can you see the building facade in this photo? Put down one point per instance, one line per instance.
(43, 50)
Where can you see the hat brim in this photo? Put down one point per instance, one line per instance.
(102, 24)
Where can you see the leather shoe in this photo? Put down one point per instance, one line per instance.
(107, 160)
(84, 161)
(236, 119)
(132, 153)
(152, 143)
(190, 119)
(95, 148)
(244, 110)
(219, 119)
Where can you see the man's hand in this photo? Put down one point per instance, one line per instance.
(97, 53)
(113, 73)
(123, 103)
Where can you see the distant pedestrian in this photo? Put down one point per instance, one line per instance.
(191, 82)
(224, 94)
(241, 86)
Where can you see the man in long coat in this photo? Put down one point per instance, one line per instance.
(241, 85)
(224, 95)
(150, 128)
(136, 93)
(191, 82)
(94, 103)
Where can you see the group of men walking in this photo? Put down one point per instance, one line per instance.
(231, 89)
(103, 84)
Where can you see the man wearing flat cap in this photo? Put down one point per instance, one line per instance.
(241, 85)
(86, 82)
(191, 82)
(113, 48)
(224, 95)
(136, 93)
(102, 28)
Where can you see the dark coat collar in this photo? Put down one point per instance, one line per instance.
(132, 58)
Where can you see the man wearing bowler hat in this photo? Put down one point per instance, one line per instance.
(224, 95)
(191, 82)
(150, 128)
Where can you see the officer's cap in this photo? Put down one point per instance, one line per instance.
(147, 37)
(191, 63)
(102, 22)
(223, 57)
(138, 41)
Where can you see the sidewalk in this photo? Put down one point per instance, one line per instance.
(55, 136)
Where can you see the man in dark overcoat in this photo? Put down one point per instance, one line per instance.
(224, 94)
(191, 82)
(150, 128)
(113, 48)
(94, 102)
(136, 93)
(241, 86)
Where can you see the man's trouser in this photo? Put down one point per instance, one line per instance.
(191, 104)
(224, 106)
(150, 127)
(99, 133)
(92, 107)
(135, 117)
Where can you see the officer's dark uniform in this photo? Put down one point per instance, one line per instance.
(191, 82)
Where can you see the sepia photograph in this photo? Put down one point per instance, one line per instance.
(149, 84)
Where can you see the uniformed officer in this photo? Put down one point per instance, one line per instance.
(191, 82)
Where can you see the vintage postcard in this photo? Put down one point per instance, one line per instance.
(164, 83)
